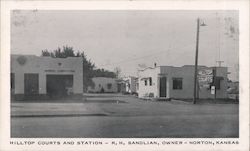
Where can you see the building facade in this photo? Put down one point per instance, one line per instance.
(178, 82)
(45, 77)
(103, 84)
(131, 84)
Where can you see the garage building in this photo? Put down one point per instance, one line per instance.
(34, 77)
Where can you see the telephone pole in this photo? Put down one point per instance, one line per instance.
(219, 63)
(196, 58)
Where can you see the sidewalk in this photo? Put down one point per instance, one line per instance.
(54, 109)
(90, 106)
(103, 95)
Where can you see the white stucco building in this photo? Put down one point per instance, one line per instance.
(43, 77)
(103, 84)
(178, 82)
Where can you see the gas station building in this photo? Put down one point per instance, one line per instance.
(34, 77)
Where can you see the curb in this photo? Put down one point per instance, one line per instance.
(180, 102)
(59, 115)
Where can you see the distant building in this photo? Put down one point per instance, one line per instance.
(41, 77)
(103, 84)
(131, 84)
(178, 82)
(121, 86)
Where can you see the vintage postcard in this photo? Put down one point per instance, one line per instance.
(125, 75)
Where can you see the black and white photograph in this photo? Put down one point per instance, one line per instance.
(125, 77)
(116, 74)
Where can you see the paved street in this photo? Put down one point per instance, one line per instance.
(123, 116)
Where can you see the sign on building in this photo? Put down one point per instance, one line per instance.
(205, 77)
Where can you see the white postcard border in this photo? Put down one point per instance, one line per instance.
(242, 6)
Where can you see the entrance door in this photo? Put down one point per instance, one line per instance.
(59, 85)
(163, 87)
(30, 84)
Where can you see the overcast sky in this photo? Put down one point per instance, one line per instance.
(127, 38)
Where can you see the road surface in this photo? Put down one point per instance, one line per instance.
(125, 117)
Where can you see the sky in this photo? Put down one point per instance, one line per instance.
(131, 39)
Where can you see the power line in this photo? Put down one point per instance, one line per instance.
(138, 58)
(147, 56)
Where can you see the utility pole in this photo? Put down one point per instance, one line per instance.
(215, 81)
(219, 63)
(196, 59)
(219, 33)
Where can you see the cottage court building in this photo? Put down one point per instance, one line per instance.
(165, 82)
(36, 77)
(131, 84)
(103, 84)
(107, 85)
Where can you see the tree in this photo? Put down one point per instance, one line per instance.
(103, 73)
(46, 53)
(89, 70)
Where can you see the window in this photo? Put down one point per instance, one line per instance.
(146, 82)
(109, 85)
(177, 83)
(150, 81)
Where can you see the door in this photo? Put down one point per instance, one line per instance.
(30, 84)
(163, 86)
(59, 85)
